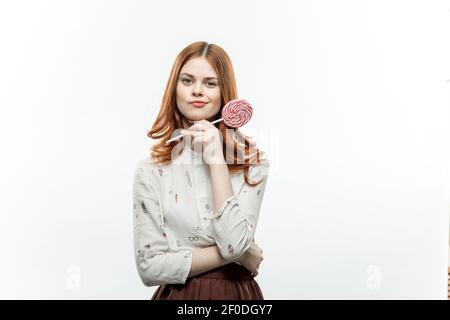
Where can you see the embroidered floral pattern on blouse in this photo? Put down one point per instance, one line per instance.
(188, 178)
(134, 210)
(160, 170)
(230, 249)
(162, 222)
(144, 209)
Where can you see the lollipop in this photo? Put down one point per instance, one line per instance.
(235, 114)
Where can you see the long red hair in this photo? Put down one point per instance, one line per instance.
(170, 118)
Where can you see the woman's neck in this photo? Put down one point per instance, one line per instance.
(186, 123)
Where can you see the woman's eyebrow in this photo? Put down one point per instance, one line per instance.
(190, 75)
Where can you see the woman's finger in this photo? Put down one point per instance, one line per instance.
(209, 139)
(199, 126)
(191, 133)
(196, 141)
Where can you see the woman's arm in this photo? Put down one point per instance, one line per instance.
(235, 215)
(205, 259)
(221, 184)
(157, 263)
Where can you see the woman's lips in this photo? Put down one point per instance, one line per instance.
(198, 104)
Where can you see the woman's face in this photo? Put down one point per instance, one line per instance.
(198, 82)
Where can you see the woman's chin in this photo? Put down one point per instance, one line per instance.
(196, 119)
(192, 121)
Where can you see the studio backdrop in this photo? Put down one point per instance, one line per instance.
(350, 102)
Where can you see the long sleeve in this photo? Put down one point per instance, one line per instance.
(235, 222)
(156, 262)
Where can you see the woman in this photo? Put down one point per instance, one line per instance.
(195, 213)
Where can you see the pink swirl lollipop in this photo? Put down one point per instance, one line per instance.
(235, 114)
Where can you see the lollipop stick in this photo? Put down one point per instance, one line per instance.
(175, 138)
(215, 121)
(179, 136)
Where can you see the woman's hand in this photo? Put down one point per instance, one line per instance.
(205, 137)
(251, 259)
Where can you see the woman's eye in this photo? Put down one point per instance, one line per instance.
(189, 81)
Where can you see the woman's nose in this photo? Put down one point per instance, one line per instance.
(197, 90)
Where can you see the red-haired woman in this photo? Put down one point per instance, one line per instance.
(195, 213)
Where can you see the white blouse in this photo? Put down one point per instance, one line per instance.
(173, 214)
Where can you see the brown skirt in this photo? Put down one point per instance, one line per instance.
(228, 282)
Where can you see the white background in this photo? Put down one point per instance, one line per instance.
(351, 102)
